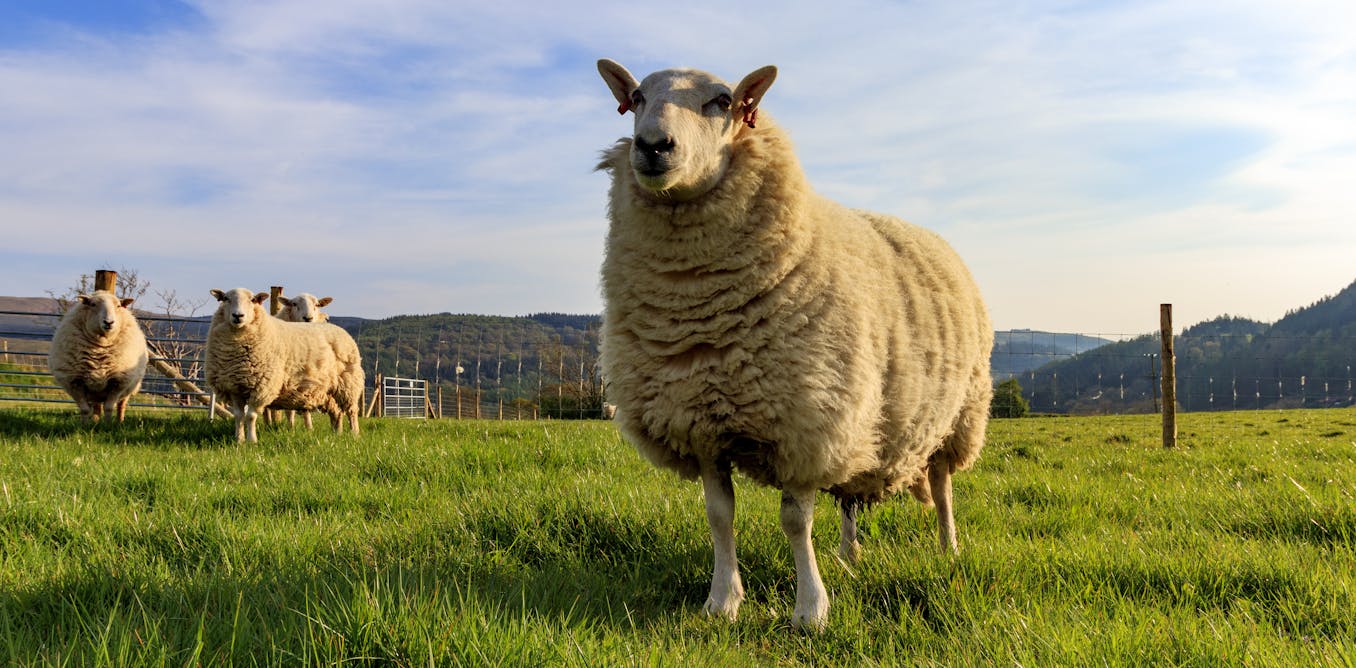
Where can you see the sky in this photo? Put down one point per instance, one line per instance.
(1089, 160)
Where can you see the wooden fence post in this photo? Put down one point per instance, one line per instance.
(275, 295)
(1169, 378)
(106, 279)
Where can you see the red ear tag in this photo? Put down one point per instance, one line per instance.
(624, 107)
(750, 112)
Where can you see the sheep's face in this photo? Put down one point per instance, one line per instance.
(102, 311)
(238, 307)
(685, 125)
(305, 307)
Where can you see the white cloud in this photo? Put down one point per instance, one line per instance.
(1083, 157)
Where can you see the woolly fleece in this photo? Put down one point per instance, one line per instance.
(100, 368)
(764, 326)
(287, 365)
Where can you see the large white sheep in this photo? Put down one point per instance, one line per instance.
(304, 307)
(99, 354)
(255, 360)
(752, 324)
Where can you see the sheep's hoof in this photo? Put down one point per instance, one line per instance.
(850, 553)
(814, 619)
(727, 610)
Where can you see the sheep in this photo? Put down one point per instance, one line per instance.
(752, 324)
(304, 307)
(99, 354)
(255, 360)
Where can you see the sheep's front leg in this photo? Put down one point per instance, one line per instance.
(812, 601)
(727, 591)
(251, 421)
(848, 548)
(237, 409)
(939, 480)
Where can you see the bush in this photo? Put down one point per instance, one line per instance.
(1008, 401)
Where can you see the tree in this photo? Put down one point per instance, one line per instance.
(1008, 401)
(130, 286)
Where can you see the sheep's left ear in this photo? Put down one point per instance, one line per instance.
(620, 81)
(324, 301)
(259, 297)
(750, 92)
(127, 302)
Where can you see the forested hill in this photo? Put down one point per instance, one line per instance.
(432, 346)
(1306, 358)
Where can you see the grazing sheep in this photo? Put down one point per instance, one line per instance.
(255, 360)
(753, 324)
(304, 307)
(99, 354)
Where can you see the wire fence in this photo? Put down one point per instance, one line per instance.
(549, 381)
(1214, 371)
(1058, 373)
(174, 371)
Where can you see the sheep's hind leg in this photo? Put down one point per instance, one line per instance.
(939, 480)
(849, 549)
(812, 600)
(727, 591)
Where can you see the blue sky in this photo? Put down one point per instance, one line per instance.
(1090, 160)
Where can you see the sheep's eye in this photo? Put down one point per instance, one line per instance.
(721, 102)
(637, 99)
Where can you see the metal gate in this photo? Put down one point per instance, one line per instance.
(404, 397)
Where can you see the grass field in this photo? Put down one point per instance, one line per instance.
(163, 542)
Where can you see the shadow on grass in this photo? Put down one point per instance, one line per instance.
(158, 430)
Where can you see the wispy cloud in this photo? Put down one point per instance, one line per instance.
(1089, 159)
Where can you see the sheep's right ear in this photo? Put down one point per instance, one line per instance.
(221, 296)
(750, 92)
(620, 81)
(85, 299)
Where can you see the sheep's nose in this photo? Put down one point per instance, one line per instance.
(664, 145)
(308, 319)
(108, 324)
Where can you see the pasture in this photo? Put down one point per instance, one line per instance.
(163, 543)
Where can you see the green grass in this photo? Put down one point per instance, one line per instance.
(163, 542)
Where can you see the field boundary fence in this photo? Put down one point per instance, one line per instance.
(174, 371)
(1101, 374)
(1064, 373)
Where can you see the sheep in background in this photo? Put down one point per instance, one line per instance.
(752, 324)
(255, 360)
(304, 307)
(99, 354)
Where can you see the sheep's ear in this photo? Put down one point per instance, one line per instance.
(259, 297)
(127, 302)
(324, 301)
(620, 81)
(221, 296)
(750, 92)
(85, 299)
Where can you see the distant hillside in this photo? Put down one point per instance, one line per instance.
(1304, 359)
(1020, 350)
